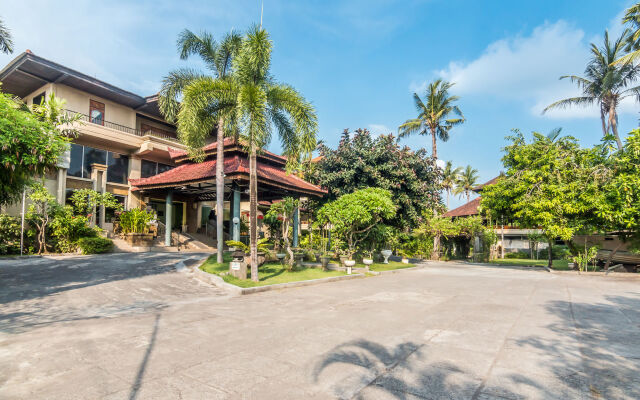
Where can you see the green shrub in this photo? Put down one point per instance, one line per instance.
(94, 245)
(9, 234)
(68, 228)
(135, 221)
(517, 254)
(560, 252)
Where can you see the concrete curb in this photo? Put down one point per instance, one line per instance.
(217, 281)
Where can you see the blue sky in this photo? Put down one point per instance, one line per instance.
(358, 61)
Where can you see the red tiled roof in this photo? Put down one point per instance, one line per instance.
(191, 172)
(465, 210)
(490, 182)
(212, 146)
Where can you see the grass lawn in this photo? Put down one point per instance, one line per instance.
(557, 264)
(386, 267)
(268, 274)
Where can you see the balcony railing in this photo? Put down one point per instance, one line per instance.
(124, 128)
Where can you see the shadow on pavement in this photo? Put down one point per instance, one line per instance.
(137, 384)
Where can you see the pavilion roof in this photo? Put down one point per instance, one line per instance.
(465, 210)
(230, 144)
(235, 167)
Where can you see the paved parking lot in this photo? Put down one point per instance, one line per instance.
(131, 327)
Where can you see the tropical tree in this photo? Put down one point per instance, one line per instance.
(434, 114)
(450, 177)
(285, 209)
(362, 160)
(6, 42)
(632, 18)
(218, 59)
(467, 180)
(31, 143)
(353, 216)
(258, 103)
(605, 83)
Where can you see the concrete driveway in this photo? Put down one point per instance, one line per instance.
(131, 327)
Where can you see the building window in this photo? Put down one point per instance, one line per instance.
(83, 156)
(75, 165)
(151, 168)
(96, 112)
(117, 168)
(39, 99)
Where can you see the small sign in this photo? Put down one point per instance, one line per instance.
(235, 265)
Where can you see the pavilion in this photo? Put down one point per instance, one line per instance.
(194, 183)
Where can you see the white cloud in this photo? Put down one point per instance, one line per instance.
(379, 129)
(527, 69)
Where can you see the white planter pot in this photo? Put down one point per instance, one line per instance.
(405, 260)
(386, 254)
(367, 261)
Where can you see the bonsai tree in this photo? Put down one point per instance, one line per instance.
(43, 207)
(353, 216)
(285, 209)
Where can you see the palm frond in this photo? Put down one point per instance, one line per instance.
(6, 41)
(172, 86)
(203, 45)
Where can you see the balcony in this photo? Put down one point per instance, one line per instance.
(127, 129)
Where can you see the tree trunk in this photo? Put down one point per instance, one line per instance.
(434, 149)
(613, 253)
(447, 199)
(435, 254)
(604, 125)
(220, 191)
(550, 251)
(613, 121)
(253, 213)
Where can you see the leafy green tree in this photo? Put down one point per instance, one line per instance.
(258, 104)
(6, 42)
(450, 177)
(85, 200)
(361, 161)
(618, 207)
(605, 83)
(549, 184)
(42, 208)
(353, 216)
(632, 19)
(284, 209)
(30, 144)
(467, 180)
(434, 114)
(218, 58)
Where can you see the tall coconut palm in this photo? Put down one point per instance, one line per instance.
(433, 114)
(218, 58)
(605, 84)
(467, 180)
(259, 104)
(449, 178)
(6, 42)
(631, 18)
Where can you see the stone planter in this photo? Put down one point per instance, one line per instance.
(139, 239)
(349, 264)
(281, 257)
(324, 260)
(386, 254)
(298, 258)
(405, 260)
(261, 259)
(343, 259)
(318, 255)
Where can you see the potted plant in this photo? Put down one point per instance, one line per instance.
(349, 264)
(405, 256)
(368, 259)
(263, 250)
(135, 227)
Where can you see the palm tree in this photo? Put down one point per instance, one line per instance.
(259, 104)
(6, 42)
(218, 58)
(467, 180)
(604, 84)
(433, 116)
(449, 179)
(632, 18)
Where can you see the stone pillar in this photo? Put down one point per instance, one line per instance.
(236, 214)
(62, 186)
(99, 180)
(133, 198)
(168, 219)
(296, 226)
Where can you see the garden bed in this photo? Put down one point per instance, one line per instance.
(379, 267)
(271, 273)
(560, 265)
